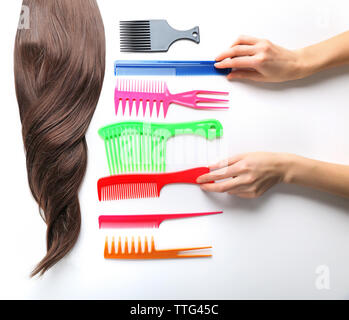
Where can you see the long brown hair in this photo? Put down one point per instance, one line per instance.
(59, 72)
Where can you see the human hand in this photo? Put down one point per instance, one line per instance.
(248, 175)
(260, 60)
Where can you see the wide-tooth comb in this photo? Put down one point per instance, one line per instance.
(135, 186)
(141, 146)
(156, 93)
(136, 253)
(152, 35)
(144, 221)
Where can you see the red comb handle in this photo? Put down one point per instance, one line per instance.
(186, 176)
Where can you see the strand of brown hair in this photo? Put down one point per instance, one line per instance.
(59, 72)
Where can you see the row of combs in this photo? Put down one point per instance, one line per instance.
(136, 151)
(136, 156)
(127, 145)
(157, 36)
(136, 252)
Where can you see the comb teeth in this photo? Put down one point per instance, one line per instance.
(135, 147)
(141, 92)
(148, 86)
(149, 252)
(129, 191)
(135, 36)
(135, 249)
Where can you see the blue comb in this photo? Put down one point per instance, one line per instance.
(167, 68)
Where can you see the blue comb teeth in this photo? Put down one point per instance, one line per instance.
(165, 68)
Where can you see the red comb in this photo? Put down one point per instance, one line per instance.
(134, 186)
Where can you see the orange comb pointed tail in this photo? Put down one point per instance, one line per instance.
(153, 253)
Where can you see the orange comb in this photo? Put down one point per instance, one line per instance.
(139, 254)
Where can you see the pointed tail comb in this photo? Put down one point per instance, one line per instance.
(149, 252)
(144, 221)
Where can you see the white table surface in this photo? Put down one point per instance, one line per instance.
(266, 248)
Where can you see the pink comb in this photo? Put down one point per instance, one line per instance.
(157, 93)
(145, 221)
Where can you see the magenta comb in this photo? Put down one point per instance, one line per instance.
(156, 93)
(145, 221)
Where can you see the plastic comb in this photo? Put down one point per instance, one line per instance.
(141, 147)
(144, 221)
(152, 35)
(156, 93)
(135, 186)
(167, 68)
(136, 253)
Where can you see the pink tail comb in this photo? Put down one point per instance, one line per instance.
(156, 93)
(144, 221)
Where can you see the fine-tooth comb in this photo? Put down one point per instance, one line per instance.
(156, 93)
(168, 68)
(152, 35)
(153, 253)
(135, 186)
(144, 221)
(141, 146)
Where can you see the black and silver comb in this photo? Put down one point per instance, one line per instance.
(152, 35)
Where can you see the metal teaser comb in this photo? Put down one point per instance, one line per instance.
(152, 35)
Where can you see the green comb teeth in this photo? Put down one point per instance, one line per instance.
(136, 146)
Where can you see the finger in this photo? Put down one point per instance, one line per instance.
(220, 174)
(227, 162)
(239, 62)
(245, 74)
(244, 39)
(239, 50)
(220, 187)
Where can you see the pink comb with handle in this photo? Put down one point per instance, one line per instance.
(156, 93)
(144, 221)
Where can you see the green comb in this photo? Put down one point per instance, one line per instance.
(136, 146)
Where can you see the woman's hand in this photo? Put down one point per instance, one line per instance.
(248, 175)
(260, 60)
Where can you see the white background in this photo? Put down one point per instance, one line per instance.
(264, 248)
